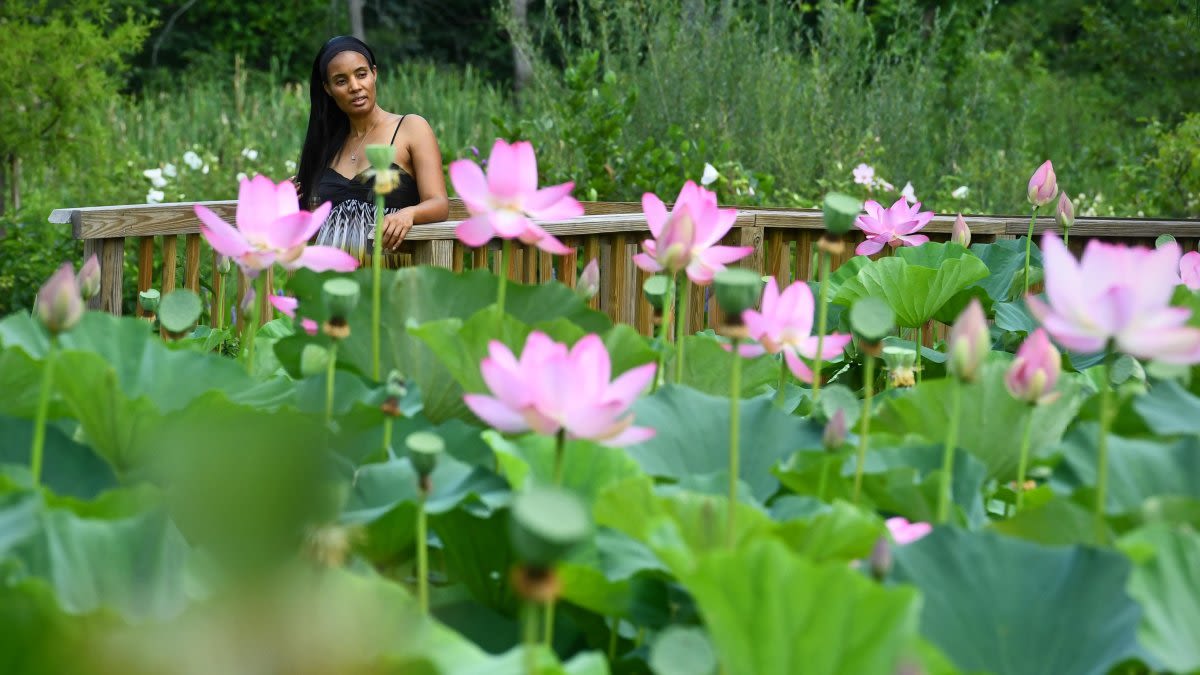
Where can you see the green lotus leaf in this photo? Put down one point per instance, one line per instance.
(914, 292)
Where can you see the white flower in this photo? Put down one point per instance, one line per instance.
(909, 194)
(710, 174)
(960, 192)
(864, 175)
(241, 177)
(289, 165)
(204, 170)
(170, 171)
(192, 160)
(155, 196)
(155, 176)
(250, 154)
(881, 183)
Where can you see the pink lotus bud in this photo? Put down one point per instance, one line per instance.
(1035, 370)
(904, 532)
(89, 278)
(1065, 213)
(1189, 270)
(969, 342)
(835, 431)
(1043, 186)
(589, 280)
(961, 234)
(59, 305)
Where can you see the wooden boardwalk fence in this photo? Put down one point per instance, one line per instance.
(610, 231)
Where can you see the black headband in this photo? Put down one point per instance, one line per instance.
(343, 43)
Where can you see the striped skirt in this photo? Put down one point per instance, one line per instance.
(351, 227)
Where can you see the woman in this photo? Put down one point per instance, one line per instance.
(345, 118)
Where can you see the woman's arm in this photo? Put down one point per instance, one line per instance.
(431, 184)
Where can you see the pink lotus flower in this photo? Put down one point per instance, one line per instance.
(1043, 185)
(961, 234)
(1116, 294)
(1189, 269)
(59, 303)
(785, 325)
(904, 532)
(507, 200)
(1035, 371)
(271, 229)
(891, 227)
(686, 238)
(288, 306)
(552, 388)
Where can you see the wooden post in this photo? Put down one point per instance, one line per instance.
(546, 267)
(778, 258)
(752, 235)
(603, 299)
(112, 274)
(479, 258)
(620, 307)
(169, 247)
(456, 257)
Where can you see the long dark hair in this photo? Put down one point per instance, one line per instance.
(328, 126)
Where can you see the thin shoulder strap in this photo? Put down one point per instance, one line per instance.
(397, 128)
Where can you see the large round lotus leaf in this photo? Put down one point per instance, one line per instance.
(1010, 607)
(917, 289)
(1166, 580)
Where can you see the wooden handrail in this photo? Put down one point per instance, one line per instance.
(611, 231)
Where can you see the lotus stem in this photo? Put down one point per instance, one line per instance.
(1102, 445)
(376, 286)
(681, 306)
(944, 495)
(783, 373)
(560, 451)
(1029, 246)
(735, 390)
(330, 376)
(220, 306)
(1023, 464)
(251, 327)
(423, 552)
(613, 635)
(39, 422)
(861, 459)
(548, 629)
(529, 637)
(824, 479)
(387, 436)
(502, 289)
(822, 317)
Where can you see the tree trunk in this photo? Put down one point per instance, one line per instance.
(356, 19)
(522, 68)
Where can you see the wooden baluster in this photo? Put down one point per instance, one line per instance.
(529, 264)
(750, 234)
(643, 312)
(191, 262)
(591, 251)
(479, 258)
(169, 246)
(804, 249)
(514, 262)
(620, 309)
(777, 257)
(145, 269)
(565, 265)
(545, 267)
(265, 309)
(459, 252)
(434, 252)
(697, 318)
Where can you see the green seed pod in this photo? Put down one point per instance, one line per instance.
(546, 524)
(423, 450)
(840, 212)
(737, 290)
(340, 296)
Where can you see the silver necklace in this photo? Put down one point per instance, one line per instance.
(353, 154)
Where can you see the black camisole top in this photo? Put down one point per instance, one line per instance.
(336, 188)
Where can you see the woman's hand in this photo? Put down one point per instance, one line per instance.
(395, 228)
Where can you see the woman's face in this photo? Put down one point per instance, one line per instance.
(350, 80)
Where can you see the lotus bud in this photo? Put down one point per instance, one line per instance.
(678, 238)
(961, 234)
(223, 264)
(1035, 370)
(835, 431)
(839, 211)
(59, 304)
(737, 289)
(901, 363)
(423, 450)
(969, 342)
(89, 278)
(588, 283)
(1043, 185)
(397, 387)
(547, 523)
(881, 558)
(1065, 213)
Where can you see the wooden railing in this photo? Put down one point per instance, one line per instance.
(610, 231)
